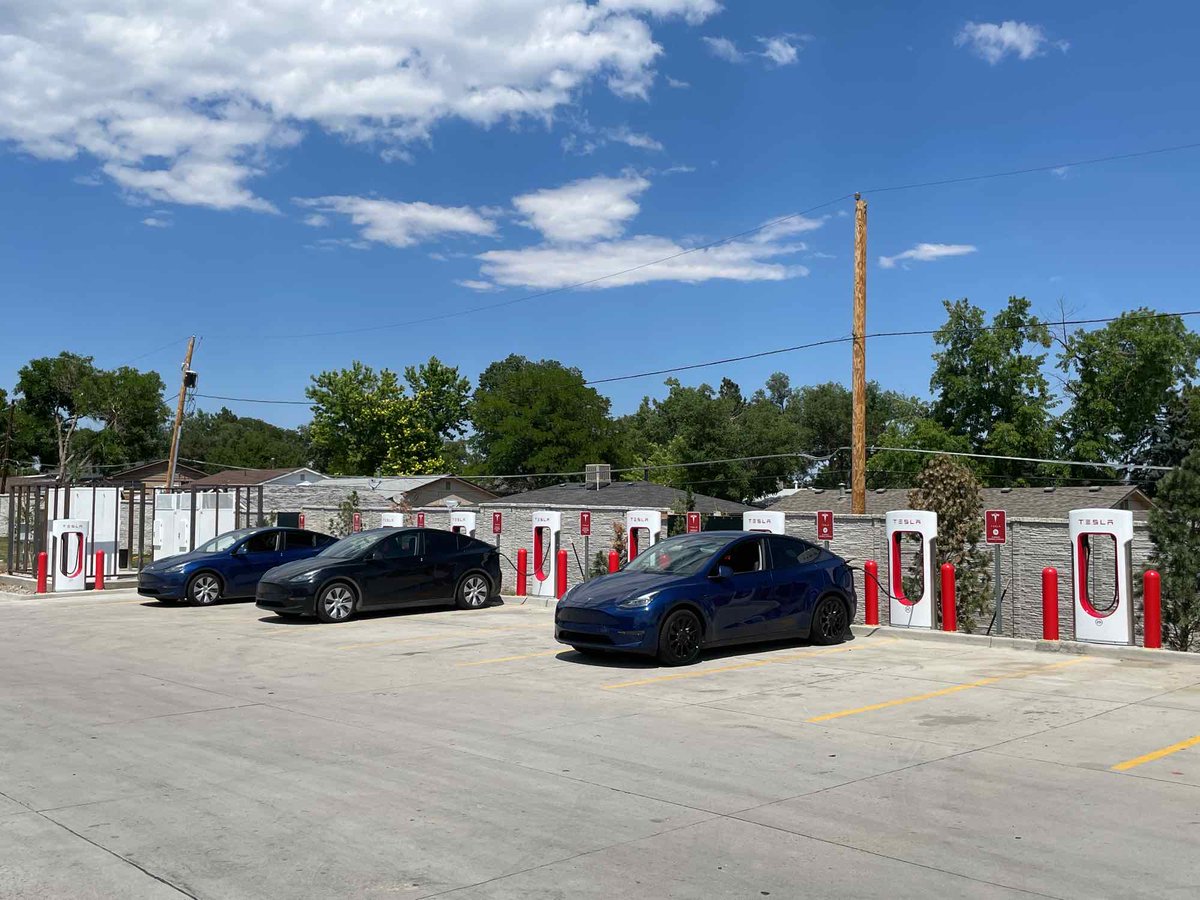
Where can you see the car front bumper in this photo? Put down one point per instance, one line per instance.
(162, 586)
(630, 631)
(292, 599)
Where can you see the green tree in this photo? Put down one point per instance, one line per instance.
(534, 417)
(1120, 380)
(444, 395)
(1175, 530)
(62, 393)
(231, 440)
(364, 424)
(950, 489)
(989, 387)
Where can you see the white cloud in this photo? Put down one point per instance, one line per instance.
(316, 220)
(400, 224)
(474, 285)
(545, 267)
(778, 50)
(587, 139)
(677, 83)
(724, 48)
(927, 253)
(992, 42)
(156, 222)
(184, 102)
(781, 50)
(584, 210)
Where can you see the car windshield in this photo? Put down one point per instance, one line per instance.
(223, 541)
(683, 555)
(352, 546)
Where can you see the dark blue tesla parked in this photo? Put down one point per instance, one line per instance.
(711, 589)
(230, 565)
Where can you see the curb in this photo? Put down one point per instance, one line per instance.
(1076, 648)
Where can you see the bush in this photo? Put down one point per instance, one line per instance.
(1175, 531)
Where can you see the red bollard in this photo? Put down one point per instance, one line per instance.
(614, 561)
(1050, 604)
(871, 590)
(949, 599)
(43, 567)
(560, 573)
(99, 570)
(522, 568)
(1152, 594)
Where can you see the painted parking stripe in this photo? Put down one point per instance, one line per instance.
(943, 692)
(1156, 754)
(503, 659)
(749, 664)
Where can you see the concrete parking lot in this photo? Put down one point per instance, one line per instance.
(151, 751)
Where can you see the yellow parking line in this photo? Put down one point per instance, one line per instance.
(1156, 754)
(749, 664)
(500, 659)
(929, 695)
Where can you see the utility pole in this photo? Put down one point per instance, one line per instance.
(858, 437)
(12, 411)
(184, 380)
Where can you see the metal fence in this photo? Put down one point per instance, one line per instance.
(129, 521)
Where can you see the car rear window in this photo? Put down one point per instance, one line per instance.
(788, 552)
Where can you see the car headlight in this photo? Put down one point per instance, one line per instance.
(640, 602)
(173, 570)
(304, 578)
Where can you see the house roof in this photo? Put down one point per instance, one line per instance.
(1019, 502)
(155, 467)
(622, 494)
(394, 486)
(249, 477)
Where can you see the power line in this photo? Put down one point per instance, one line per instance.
(875, 334)
(747, 232)
(254, 400)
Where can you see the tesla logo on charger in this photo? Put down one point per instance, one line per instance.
(693, 522)
(916, 522)
(585, 523)
(497, 522)
(1093, 523)
(825, 525)
(997, 526)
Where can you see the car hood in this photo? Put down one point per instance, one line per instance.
(303, 567)
(168, 562)
(619, 586)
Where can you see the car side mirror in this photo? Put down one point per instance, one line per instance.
(240, 550)
(722, 573)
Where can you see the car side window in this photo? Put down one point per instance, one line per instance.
(405, 545)
(441, 543)
(743, 557)
(298, 540)
(263, 542)
(789, 552)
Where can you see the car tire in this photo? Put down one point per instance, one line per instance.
(473, 591)
(679, 638)
(830, 622)
(204, 589)
(336, 603)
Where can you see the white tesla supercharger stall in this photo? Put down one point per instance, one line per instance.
(767, 522)
(547, 537)
(173, 516)
(462, 523)
(391, 520)
(1102, 582)
(68, 554)
(100, 508)
(643, 529)
(911, 612)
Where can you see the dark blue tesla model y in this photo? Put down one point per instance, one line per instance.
(711, 589)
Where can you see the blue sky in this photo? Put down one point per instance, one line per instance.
(252, 179)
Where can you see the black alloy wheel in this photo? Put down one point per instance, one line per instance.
(679, 638)
(830, 622)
